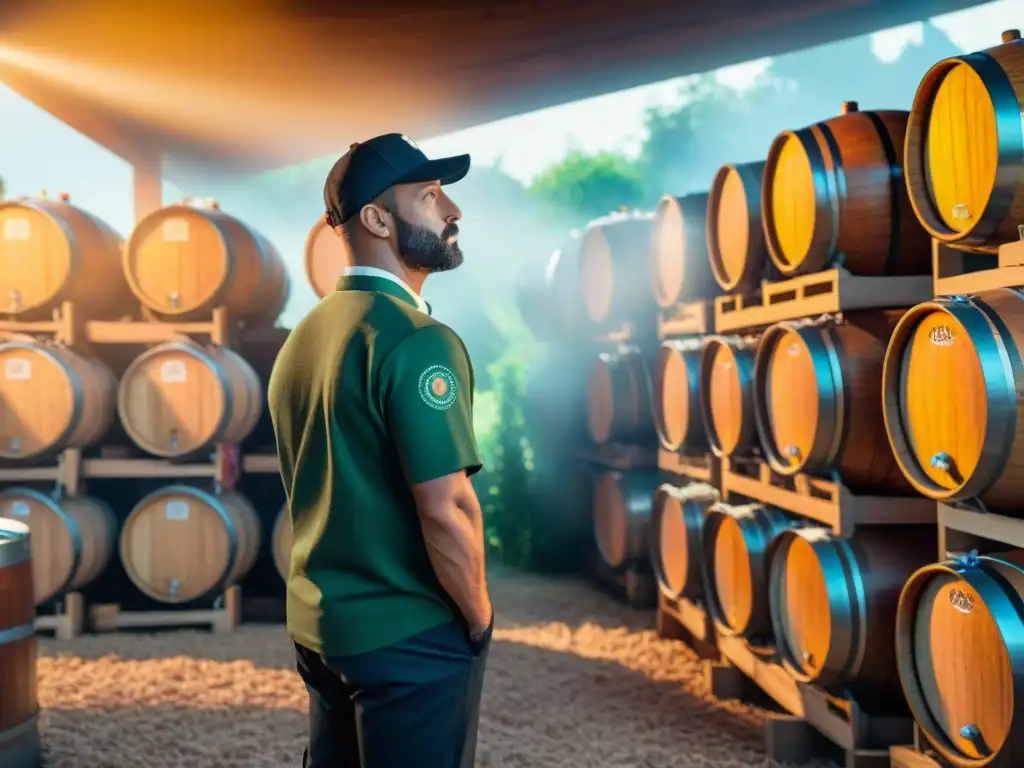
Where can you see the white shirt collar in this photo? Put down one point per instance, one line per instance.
(377, 272)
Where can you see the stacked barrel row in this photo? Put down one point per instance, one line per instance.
(952, 389)
(138, 381)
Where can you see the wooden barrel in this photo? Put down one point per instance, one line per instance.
(837, 187)
(735, 543)
(622, 516)
(183, 261)
(675, 396)
(73, 539)
(818, 403)
(51, 252)
(180, 399)
(677, 516)
(963, 144)
(619, 398)
(326, 257)
(951, 378)
(833, 606)
(19, 707)
(615, 288)
(959, 648)
(548, 294)
(282, 542)
(51, 398)
(735, 232)
(727, 395)
(181, 543)
(680, 270)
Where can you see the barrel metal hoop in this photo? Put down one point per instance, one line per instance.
(14, 634)
(836, 179)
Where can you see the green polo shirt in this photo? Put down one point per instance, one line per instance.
(368, 394)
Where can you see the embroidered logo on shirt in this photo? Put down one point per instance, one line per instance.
(438, 387)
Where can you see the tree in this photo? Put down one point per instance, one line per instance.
(587, 186)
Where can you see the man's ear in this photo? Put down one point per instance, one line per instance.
(375, 221)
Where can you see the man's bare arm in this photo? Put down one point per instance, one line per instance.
(452, 525)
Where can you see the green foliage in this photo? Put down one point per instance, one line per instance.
(591, 185)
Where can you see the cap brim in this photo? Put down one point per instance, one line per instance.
(447, 170)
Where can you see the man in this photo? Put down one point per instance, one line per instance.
(371, 400)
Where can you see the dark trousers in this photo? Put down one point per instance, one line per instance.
(415, 704)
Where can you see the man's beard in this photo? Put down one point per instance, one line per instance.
(424, 250)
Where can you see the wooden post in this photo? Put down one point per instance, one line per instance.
(148, 187)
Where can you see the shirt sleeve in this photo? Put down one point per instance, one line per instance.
(426, 387)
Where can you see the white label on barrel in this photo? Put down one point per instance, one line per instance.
(941, 336)
(175, 231)
(793, 349)
(17, 229)
(19, 509)
(173, 372)
(724, 364)
(177, 510)
(961, 601)
(18, 369)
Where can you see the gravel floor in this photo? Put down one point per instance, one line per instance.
(575, 680)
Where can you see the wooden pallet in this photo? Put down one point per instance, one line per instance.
(957, 270)
(705, 468)
(825, 501)
(68, 620)
(635, 583)
(69, 470)
(829, 292)
(963, 528)
(818, 725)
(682, 619)
(225, 616)
(693, 318)
(916, 755)
(618, 456)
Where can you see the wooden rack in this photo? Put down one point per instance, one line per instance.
(682, 619)
(957, 270)
(825, 501)
(70, 469)
(690, 319)
(224, 616)
(635, 583)
(68, 619)
(962, 528)
(705, 468)
(818, 724)
(917, 755)
(829, 292)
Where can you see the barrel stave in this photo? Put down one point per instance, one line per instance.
(19, 707)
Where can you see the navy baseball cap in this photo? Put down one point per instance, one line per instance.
(370, 167)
